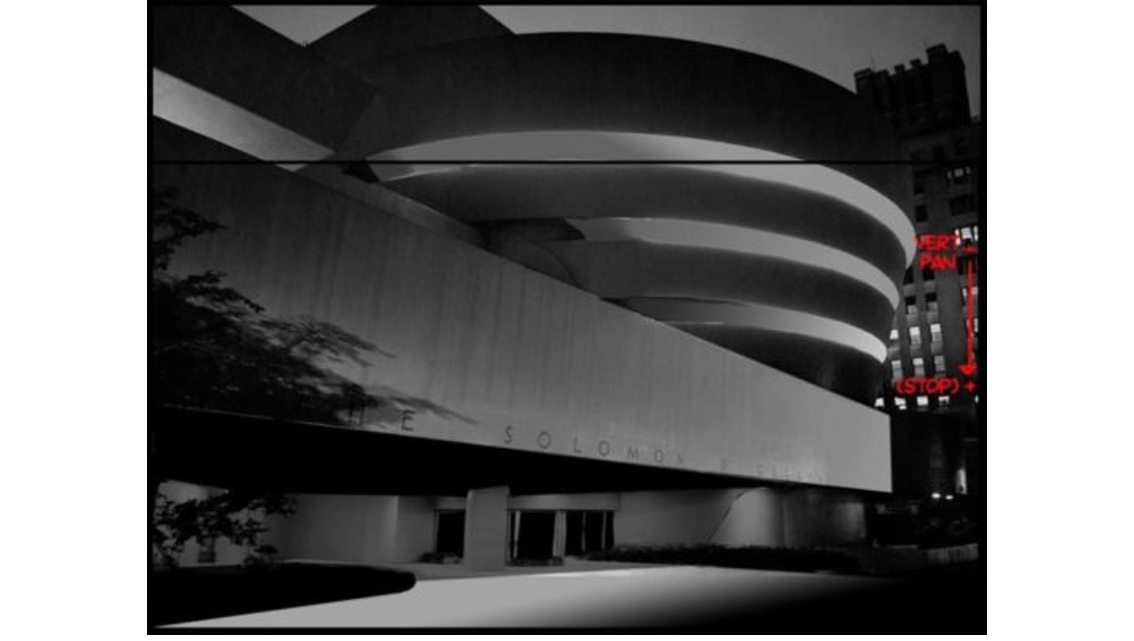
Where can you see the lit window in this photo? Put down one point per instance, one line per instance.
(915, 337)
(943, 401)
(967, 234)
(958, 176)
(894, 334)
(896, 369)
(965, 293)
(922, 401)
(935, 332)
(939, 364)
(918, 366)
(879, 402)
(900, 403)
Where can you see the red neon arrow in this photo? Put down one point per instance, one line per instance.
(969, 366)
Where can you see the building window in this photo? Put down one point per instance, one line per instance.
(894, 334)
(588, 531)
(927, 274)
(935, 332)
(908, 278)
(962, 205)
(943, 401)
(879, 402)
(918, 185)
(922, 402)
(967, 234)
(931, 301)
(915, 337)
(920, 214)
(896, 369)
(959, 176)
(965, 293)
(911, 304)
(918, 366)
(900, 403)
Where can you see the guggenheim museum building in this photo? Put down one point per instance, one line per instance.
(624, 290)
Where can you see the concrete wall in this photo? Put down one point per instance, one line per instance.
(724, 517)
(587, 501)
(356, 529)
(494, 354)
(757, 516)
(339, 528)
(816, 517)
(417, 523)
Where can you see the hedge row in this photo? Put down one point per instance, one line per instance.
(753, 557)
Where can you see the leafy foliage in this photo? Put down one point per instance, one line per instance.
(212, 347)
(233, 515)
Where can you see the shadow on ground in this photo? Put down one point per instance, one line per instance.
(194, 593)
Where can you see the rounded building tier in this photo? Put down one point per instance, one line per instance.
(735, 197)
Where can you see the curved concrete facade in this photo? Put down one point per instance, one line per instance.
(713, 198)
(735, 179)
(611, 274)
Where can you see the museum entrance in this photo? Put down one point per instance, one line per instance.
(532, 535)
(451, 533)
(541, 535)
(588, 531)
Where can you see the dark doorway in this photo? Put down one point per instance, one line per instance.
(533, 535)
(451, 532)
(589, 531)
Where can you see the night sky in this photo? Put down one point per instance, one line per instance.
(832, 41)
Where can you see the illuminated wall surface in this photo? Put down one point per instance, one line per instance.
(696, 305)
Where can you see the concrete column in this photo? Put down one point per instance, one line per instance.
(559, 543)
(486, 528)
(380, 529)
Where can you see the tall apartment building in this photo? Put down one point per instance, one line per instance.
(928, 102)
